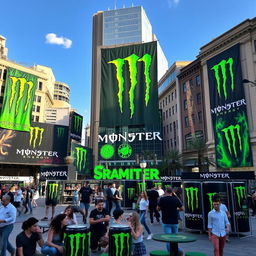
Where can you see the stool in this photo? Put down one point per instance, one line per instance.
(195, 254)
(159, 253)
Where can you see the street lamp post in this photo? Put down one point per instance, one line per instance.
(143, 165)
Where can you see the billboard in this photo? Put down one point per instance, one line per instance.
(53, 173)
(129, 114)
(228, 110)
(76, 126)
(18, 100)
(44, 144)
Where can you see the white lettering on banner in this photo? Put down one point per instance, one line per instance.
(130, 137)
(16, 178)
(54, 173)
(194, 216)
(36, 153)
(214, 175)
(228, 106)
(170, 178)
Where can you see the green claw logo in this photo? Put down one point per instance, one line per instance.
(222, 66)
(192, 198)
(53, 190)
(35, 136)
(119, 240)
(132, 62)
(107, 151)
(240, 194)
(141, 186)
(74, 242)
(60, 132)
(131, 193)
(78, 122)
(124, 151)
(210, 197)
(81, 156)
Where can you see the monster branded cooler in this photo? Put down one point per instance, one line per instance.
(77, 240)
(120, 240)
(52, 192)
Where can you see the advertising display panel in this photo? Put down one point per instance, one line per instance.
(44, 144)
(76, 126)
(53, 173)
(228, 110)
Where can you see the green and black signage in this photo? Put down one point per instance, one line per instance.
(53, 191)
(53, 173)
(76, 126)
(44, 144)
(228, 110)
(193, 205)
(18, 100)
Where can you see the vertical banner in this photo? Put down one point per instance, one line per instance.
(193, 205)
(18, 100)
(76, 126)
(240, 204)
(228, 110)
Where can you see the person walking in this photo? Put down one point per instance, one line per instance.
(75, 199)
(170, 206)
(85, 199)
(7, 219)
(143, 206)
(28, 200)
(153, 197)
(254, 203)
(109, 197)
(35, 197)
(18, 200)
(117, 197)
(218, 227)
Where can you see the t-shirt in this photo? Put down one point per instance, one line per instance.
(223, 207)
(86, 193)
(153, 197)
(169, 205)
(28, 243)
(101, 227)
(143, 204)
(109, 194)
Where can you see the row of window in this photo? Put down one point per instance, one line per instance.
(198, 101)
(194, 119)
(37, 98)
(171, 112)
(171, 97)
(171, 77)
(191, 84)
(35, 118)
(63, 98)
(170, 144)
(172, 127)
(36, 108)
(189, 137)
(61, 87)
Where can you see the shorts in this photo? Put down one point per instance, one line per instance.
(16, 204)
(85, 206)
(51, 202)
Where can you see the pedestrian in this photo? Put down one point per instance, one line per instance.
(138, 247)
(218, 227)
(76, 196)
(7, 219)
(85, 199)
(28, 200)
(35, 197)
(143, 206)
(169, 206)
(153, 197)
(28, 239)
(71, 216)
(160, 190)
(117, 197)
(18, 200)
(98, 219)
(6, 191)
(54, 245)
(109, 197)
(99, 195)
(254, 203)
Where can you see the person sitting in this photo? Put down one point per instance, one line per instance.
(71, 216)
(98, 220)
(31, 235)
(54, 244)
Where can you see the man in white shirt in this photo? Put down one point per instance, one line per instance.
(7, 219)
(218, 227)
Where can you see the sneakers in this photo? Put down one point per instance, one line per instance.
(149, 237)
(45, 218)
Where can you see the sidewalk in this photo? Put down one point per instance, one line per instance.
(237, 247)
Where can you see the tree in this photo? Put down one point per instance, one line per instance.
(172, 161)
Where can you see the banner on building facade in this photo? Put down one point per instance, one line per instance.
(53, 173)
(44, 144)
(76, 126)
(18, 100)
(228, 110)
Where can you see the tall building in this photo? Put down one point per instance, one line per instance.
(116, 28)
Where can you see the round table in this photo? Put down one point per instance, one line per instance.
(174, 239)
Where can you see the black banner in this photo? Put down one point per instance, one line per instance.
(76, 126)
(218, 175)
(193, 205)
(53, 173)
(228, 110)
(45, 144)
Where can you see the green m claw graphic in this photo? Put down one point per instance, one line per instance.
(141, 186)
(81, 155)
(131, 193)
(240, 194)
(53, 190)
(60, 131)
(35, 135)
(78, 122)
(210, 195)
(222, 66)
(192, 197)
(74, 243)
(132, 62)
(120, 243)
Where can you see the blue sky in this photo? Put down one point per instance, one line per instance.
(182, 27)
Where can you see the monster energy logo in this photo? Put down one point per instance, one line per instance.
(74, 242)
(120, 243)
(131, 192)
(78, 121)
(142, 186)
(81, 154)
(35, 136)
(240, 194)
(210, 197)
(192, 198)
(53, 190)
(233, 130)
(132, 62)
(222, 66)
(60, 131)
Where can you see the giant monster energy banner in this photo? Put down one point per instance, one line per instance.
(44, 144)
(19, 95)
(228, 109)
(76, 126)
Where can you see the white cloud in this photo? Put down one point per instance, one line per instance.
(172, 3)
(52, 38)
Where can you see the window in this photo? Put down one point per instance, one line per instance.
(170, 112)
(198, 98)
(164, 130)
(37, 118)
(38, 98)
(1, 73)
(176, 108)
(2, 89)
(170, 127)
(160, 105)
(166, 100)
(163, 115)
(171, 143)
(172, 95)
(37, 108)
(5, 74)
(166, 114)
(254, 45)
(193, 118)
(191, 84)
(184, 87)
(32, 118)
(185, 104)
(40, 86)
(168, 145)
(198, 80)
(163, 103)
(167, 130)
(186, 122)
(199, 114)
(173, 110)
(34, 107)
(175, 95)
(175, 143)
(188, 140)
(169, 98)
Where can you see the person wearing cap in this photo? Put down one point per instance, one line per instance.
(27, 240)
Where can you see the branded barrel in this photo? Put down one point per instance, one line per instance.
(77, 240)
(53, 189)
(120, 240)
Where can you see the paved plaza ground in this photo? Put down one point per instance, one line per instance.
(245, 246)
